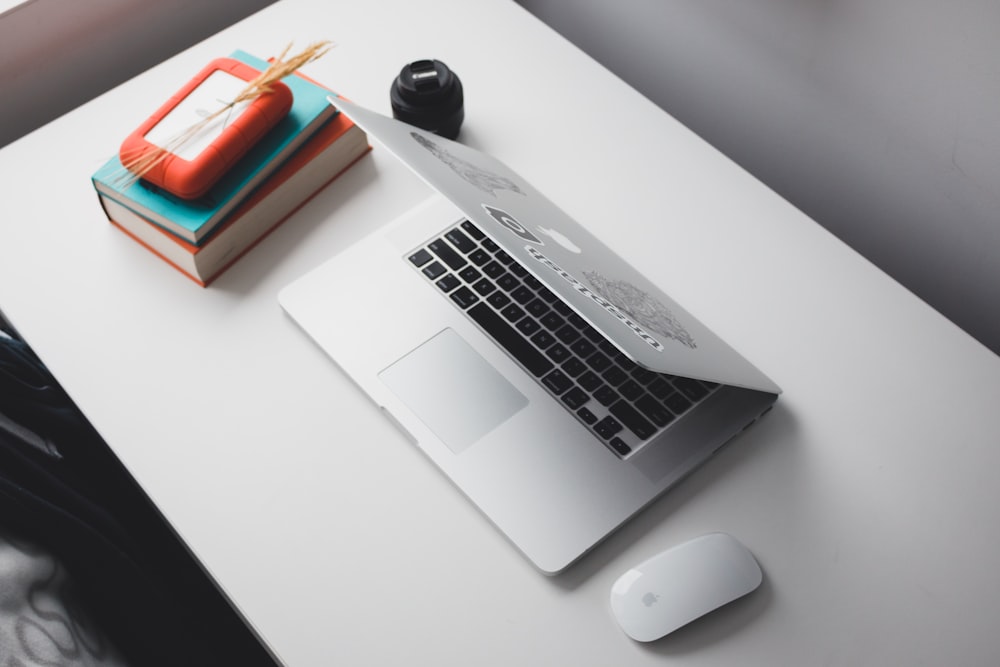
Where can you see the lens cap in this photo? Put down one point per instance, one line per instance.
(429, 95)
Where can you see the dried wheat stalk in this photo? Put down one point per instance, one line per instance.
(261, 85)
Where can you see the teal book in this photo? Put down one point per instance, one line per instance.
(194, 220)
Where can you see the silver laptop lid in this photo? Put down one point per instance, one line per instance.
(644, 323)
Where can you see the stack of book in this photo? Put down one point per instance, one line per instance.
(306, 150)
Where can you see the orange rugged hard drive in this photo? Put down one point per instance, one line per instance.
(199, 152)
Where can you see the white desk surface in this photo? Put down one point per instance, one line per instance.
(868, 495)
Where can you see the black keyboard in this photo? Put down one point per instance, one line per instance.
(622, 403)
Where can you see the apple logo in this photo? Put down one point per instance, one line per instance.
(561, 239)
(649, 599)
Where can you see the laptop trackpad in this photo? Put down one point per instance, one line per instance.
(453, 390)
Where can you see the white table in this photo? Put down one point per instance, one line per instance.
(868, 494)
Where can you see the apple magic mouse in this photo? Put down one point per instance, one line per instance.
(681, 584)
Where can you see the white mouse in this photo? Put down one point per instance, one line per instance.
(681, 584)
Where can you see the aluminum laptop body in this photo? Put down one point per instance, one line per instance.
(431, 340)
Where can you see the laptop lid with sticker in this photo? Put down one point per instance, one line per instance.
(640, 319)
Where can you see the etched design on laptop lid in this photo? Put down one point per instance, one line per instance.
(644, 308)
(650, 335)
(474, 175)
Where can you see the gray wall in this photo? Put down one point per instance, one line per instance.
(57, 54)
(878, 118)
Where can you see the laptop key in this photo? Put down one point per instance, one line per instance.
(464, 244)
(619, 446)
(557, 382)
(447, 254)
(626, 364)
(642, 375)
(469, 274)
(479, 257)
(498, 299)
(420, 257)
(691, 388)
(631, 390)
(575, 397)
(522, 295)
(508, 282)
(608, 427)
(464, 297)
(567, 334)
(608, 348)
(654, 410)
(586, 415)
(512, 313)
(632, 419)
(676, 403)
(494, 270)
(448, 283)
(473, 231)
(660, 388)
(598, 361)
(589, 381)
(552, 321)
(537, 308)
(532, 282)
(583, 348)
(543, 339)
(614, 376)
(510, 340)
(557, 353)
(528, 326)
(574, 366)
(605, 395)
(434, 271)
(547, 295)
(484, 287)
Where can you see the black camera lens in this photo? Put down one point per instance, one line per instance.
(429, 95)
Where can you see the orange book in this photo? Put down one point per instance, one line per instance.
(327, 154)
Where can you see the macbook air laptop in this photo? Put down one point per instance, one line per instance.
(556, 386)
